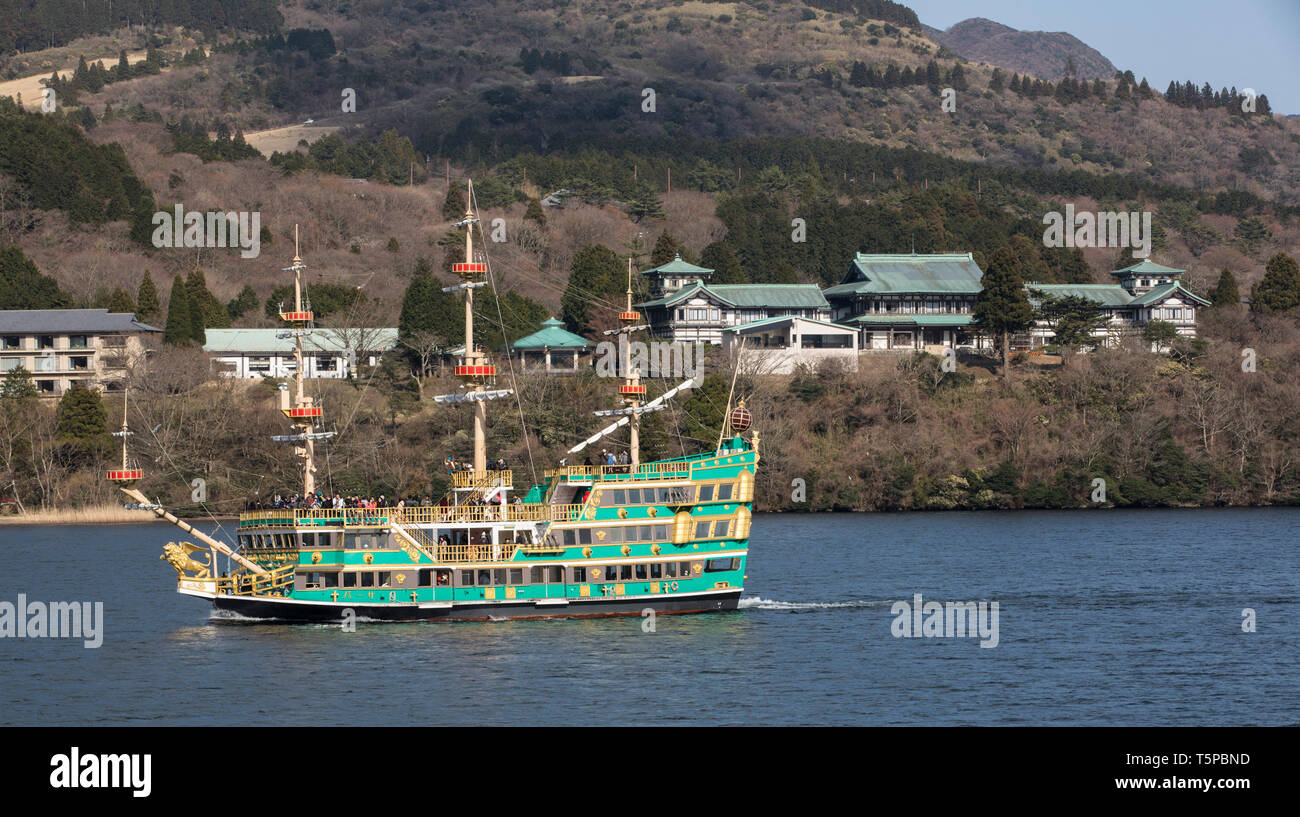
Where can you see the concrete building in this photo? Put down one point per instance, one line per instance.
(62, 347)
(780, 345)
(327, 353)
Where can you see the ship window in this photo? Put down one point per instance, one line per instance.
(349, 580)
(722, 528)
(584, 536)
(467, 578)
(330, 579)
(665, 495)
(309, 540)
(661, 532)
(706, 493)
(364, 541)
(557, 575)
(724, 491)
(516, 575)
(616, 535)
(640, 571)
(385, 579)
(367, 579)
(484, 577)
(671, 569)
(645, 533)
(579, 575)
(681, 496)
(349, 541)
(701, 530)
(656, 571)
(426, 578)
(714, 565)
(685, 568)
(570, 537)
(620, 497)
(535, 575)
(634, 496)
(499, 576)
(625, 572)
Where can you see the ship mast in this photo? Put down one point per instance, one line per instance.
(632, 391)
(303, 412)
(475, 370)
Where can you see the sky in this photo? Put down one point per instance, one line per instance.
(1246, 43)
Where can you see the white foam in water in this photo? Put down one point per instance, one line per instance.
(756, 603)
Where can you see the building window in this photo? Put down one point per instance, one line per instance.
(77, 342)
(45, 342)
(13, 342)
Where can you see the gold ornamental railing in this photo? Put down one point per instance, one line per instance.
(645, 471)
(422, 515)
(256, 584)
(482, 479)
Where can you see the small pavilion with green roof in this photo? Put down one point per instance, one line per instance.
(551, 338)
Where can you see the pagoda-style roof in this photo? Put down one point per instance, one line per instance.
(1115, 296)
(678, 268)
(552, 335)
(1148, 268)
(898, 273)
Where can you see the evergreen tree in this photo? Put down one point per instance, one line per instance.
(22, 286)
(82, 424)
(1002, 306)
(17, 385)
(1225, 292)
(726, 267)
(427, 310)
(213, 313)
(179, 329)
(598, 278)
(1073, 319)
(534, 212)
(146, 300)
(997, 81)
(453, 207)
(244, 302)
(119, 301)
(666, 248)
(858, 77)
(1279, 290)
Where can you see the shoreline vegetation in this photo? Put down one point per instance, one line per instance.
(85, 515)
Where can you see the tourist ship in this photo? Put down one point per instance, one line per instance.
(590, 540)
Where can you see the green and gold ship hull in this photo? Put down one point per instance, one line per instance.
(669, 536)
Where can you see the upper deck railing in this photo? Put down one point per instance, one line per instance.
(482, 479)
(645, 471)
(421, 515)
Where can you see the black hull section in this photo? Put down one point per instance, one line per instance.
(271, 611)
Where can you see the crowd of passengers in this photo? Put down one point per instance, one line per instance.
(319, 500)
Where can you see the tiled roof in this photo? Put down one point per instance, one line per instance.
(898, 274)
(552, 335)
(70, 321)
(1111, 295)
(677, 267)
(264, 341)
(750, 296)
(1164, 291)
(1146, 267)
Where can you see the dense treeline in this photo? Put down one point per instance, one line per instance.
(1187, 95)
(189, 136)
(22, 286)
(56, 168)
(35, 24)
(389, 159)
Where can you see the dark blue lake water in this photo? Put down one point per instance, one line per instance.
(1105, 617)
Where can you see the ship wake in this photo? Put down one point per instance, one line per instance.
(758, 603)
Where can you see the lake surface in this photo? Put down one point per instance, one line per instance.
(1105, 617)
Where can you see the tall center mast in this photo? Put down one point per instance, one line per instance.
(475, 370)
(631, 391)
(303, 412)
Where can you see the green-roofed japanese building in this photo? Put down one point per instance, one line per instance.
(908, 301)
(536, 350)
(687, 308)
(1143, 292)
